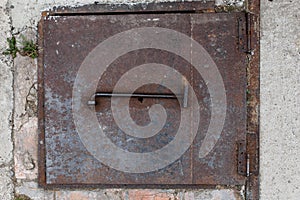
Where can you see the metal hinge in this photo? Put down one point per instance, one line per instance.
(252, 153)
(252, 166)
(242, 158)
(244, 34)
(249, 33)
(247, 155)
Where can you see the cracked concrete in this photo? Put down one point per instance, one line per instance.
(6, 97)
(6, 185)
(280, 110)
(6, 108)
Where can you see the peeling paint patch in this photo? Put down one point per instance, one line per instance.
(230, 5)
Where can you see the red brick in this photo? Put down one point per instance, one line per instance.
(151, 195)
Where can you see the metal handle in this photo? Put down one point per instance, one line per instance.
(139, 95)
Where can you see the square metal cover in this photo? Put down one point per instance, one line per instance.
(185, 123)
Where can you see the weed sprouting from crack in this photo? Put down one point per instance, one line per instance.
(28, 48)
(12, 47)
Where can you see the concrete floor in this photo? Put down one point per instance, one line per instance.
(280, 99)
(279, 112)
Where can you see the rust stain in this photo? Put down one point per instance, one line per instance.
(253, 71)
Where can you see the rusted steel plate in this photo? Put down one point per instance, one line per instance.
(67, 160)
(218, 34)
(67, 42)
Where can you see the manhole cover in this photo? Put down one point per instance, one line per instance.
(155, 97)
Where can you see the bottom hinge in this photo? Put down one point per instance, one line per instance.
(242, 158)
(252, 153)
(248, 155)
(252, 166)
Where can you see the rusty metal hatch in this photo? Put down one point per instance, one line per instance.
(70, 55)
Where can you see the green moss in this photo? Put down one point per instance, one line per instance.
(228, 8)
(248, 92)
(21, 197)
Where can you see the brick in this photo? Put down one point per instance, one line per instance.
(25, 120)
(26, 151)
(74, 195)
(152, 195)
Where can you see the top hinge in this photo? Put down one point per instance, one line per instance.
(252, 153)
(242, 158)
(244, 34)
